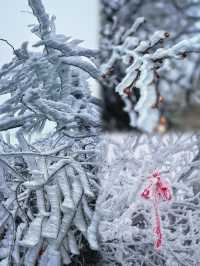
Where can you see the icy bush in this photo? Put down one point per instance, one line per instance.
(49, 184)
(177, 80)
(180, 18)
(127, 219)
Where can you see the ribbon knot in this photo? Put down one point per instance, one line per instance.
(157, 191)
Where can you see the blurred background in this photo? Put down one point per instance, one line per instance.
(177, 80)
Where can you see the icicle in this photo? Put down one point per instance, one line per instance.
(51, 226)
(73, 247)
(54, 257)
(63, 181)
(16, 254)
(64, 227)
(32, 255)
(65, 256)
(84, 180)
(32, 237)
(87, 210)
(79, 220)
(43, 258)
(92, 232)
(39, 193)
(77, 190)
(65, 244)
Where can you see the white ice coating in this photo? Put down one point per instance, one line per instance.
(45, 177)
(141, 73)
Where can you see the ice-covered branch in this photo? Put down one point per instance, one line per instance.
(143, 59)
(48, 181)
(126, 219)
(175, 81)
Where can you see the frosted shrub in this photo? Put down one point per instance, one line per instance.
(139, 88)
(48, 183)
(128, 220)
(177, 80)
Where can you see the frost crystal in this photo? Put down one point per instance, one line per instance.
(127, 219)
(49, 183)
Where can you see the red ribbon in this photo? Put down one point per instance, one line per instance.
(157, 191)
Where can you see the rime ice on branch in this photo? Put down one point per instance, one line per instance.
(50, 185)
(50, 85)
(143, 58)
(179, 79)
(126, 220)
(139, 88)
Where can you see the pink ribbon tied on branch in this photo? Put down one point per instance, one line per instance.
(157, 190)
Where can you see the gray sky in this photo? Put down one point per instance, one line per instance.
(75, 18)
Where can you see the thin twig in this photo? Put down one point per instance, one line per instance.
(9, 44)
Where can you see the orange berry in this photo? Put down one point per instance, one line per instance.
(128, 91)
(161, 99)
(163, 120)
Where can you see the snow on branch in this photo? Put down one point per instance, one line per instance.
(131, 190)
(49, 185)
(143, 58)
(40, 82)
(52, 199)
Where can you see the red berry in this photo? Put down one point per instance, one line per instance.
(128, 91)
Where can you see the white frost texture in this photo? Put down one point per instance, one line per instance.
(49, 183)
(141, 62)
(126, 224)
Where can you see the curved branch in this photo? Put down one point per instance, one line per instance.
(9, 44)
